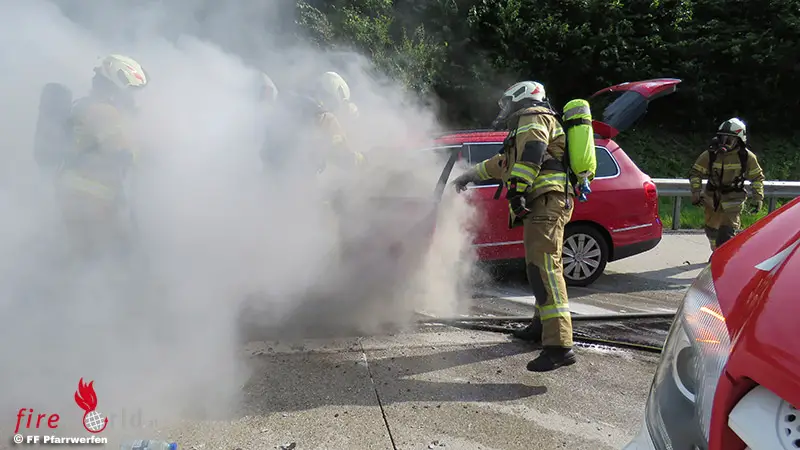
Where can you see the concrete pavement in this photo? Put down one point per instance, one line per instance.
(441, 387)
(437, 388)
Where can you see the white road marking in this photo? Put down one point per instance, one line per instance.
(575, 306)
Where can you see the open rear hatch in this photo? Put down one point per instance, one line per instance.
(623, 105)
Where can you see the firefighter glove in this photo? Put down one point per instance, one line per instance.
(755, 206)
(518, 206)
(697, 199)
(462, 181)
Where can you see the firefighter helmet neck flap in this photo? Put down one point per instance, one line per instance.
(116, 78)
(524, 94)
(731, 135)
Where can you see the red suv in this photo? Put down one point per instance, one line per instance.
(729, 375)
(620, 218)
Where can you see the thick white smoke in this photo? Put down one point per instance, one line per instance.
(215, 233)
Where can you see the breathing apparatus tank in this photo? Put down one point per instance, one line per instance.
(577, 119)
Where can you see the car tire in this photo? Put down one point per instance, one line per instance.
(591, 247)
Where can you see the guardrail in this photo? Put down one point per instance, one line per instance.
(677, 188)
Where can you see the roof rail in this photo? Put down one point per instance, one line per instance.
(473, 130)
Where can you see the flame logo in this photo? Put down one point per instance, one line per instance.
(86, 399)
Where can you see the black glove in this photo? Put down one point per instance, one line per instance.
(461, 182)
(516, 200)
(697, 198)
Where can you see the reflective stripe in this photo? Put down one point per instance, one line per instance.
(522, 187)
(700, 168)
(557, 131)
(553, 311)
(731, 205)
(528, 174)
(576, 111)
(550, 179)
(531, 126)
(550, 269)
(697, 185)
(718, 165)
(483, 174)
(757, 184)
(73, 181)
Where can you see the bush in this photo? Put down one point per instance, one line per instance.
(735, 58)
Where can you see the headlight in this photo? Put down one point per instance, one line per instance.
(694, 355)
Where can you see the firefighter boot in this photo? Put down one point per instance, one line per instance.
(724, 234)
(552, 358)
(533, 332)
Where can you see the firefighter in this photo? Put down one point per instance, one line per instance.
(540, 199)
(334, 94)
(340, 118)
(301, 122)
(92, 174)
(726, 164)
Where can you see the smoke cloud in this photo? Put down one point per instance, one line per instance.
(224, 249)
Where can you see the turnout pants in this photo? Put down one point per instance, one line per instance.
(722, 217)
(543, 240)
(93, 225)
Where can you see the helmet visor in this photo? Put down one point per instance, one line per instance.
(505, 104)
(728, 141)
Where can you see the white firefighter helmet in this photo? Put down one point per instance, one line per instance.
(333, 90)
(267, 90)
(531, 90)
(524, 90)
(734, 127)
(122, 71)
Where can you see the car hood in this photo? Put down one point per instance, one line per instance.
(756, 284)
(625, 104)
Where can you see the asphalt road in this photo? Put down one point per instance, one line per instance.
(651, 282)
(448, 388)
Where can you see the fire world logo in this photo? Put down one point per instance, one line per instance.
(93, 421)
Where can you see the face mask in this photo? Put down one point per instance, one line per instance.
(727, 143)
(505, 107)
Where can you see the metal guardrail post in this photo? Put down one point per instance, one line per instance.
(678, 188)
(676, 213)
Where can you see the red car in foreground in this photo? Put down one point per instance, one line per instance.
(729, 376)
(620, 218)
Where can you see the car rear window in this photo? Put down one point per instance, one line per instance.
(606, 166)
(481, 152)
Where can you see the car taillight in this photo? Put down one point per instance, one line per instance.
(650, 191)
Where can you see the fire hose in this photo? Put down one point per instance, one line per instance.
(501, 325)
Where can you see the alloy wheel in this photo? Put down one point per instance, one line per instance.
(581, 256)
